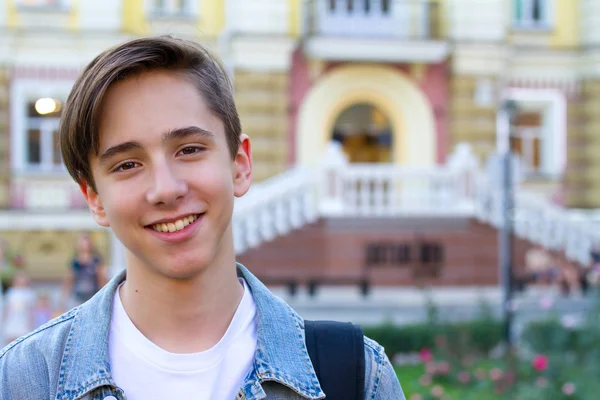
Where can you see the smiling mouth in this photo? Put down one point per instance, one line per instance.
(175, 226)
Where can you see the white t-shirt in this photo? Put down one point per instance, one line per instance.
(145, 371)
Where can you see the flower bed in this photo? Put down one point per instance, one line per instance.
(555, 360)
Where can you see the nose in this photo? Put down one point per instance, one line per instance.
(166, 188)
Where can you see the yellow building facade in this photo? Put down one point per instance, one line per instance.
(405, 80)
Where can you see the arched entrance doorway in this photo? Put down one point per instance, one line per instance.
(365, 133)
(410, 115)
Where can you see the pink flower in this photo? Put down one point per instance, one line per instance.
(437, 391)
(510, 378)
(540, 362)
(546, 302)
(464, 377)
(416, 396)
(568, 389)
(425, 380)
(569, 321)
(541, 382)
(496, 374)
(443, 367)
(431, 368)
(425, 355)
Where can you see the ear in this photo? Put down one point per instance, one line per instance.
(242, 167)
(94, 203)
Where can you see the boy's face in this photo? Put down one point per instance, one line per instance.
(164, 164)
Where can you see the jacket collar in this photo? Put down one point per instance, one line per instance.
(85, 364)
(281, 355)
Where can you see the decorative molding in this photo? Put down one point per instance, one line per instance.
(570, 87)
(14, 220)
(479, 59)
(266, 53)
(59, 49)
(45, 73)
(377, 50)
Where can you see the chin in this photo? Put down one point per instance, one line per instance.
(181, 273)
(184, 269)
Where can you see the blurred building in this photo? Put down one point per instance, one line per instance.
(398, 83)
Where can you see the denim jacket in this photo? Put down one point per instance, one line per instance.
(67, 358)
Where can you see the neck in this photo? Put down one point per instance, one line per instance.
(182, 315)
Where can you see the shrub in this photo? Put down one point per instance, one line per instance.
(479, 335)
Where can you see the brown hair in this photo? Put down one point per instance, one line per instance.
(80, 118)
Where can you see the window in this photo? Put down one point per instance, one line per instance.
(527, 141)
(362, 6)
(172, 7)
(532, 14)
(42, 148)
(35, 109)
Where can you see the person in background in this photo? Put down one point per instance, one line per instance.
(18, 308)
(42, 311)
(539, 265)
(594, 273)
(7, 269)
(87, 274)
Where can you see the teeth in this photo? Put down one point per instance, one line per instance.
(175, 226)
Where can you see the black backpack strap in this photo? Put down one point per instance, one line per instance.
(337, 352)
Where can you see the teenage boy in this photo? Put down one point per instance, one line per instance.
(151, 134)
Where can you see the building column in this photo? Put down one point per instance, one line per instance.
(582, 178)
(262, 102)
(4, 137)
(473, 113)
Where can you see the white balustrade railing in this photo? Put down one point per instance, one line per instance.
(44, 193)
(387, 189)
(538, 220)
(340, 189)
(404, 19)
(458, 188)
(273, 208)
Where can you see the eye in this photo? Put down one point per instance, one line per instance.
(190, 150)
(126, 166)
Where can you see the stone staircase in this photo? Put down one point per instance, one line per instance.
(461, 188)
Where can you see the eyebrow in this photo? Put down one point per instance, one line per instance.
(186, 132)
(174, 134)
